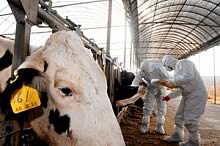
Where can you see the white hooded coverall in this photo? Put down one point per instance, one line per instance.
(194, 97)
(148, 71)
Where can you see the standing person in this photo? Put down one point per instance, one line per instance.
(194, 97)
(148, 71)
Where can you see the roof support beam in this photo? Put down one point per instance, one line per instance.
(160, 48)
(214, 42)
(178, 23)
(170, 42)
(133, 13)
(109, 27)
(175, 32)
(201, 21)
(158, 53)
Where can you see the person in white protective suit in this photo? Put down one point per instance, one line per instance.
(190, 85)
(148, 71)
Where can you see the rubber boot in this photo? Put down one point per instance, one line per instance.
(194, 137)
(145, 126)
(189, 143)
(176, 137)
(160, 128)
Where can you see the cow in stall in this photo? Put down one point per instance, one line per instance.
(126, 94)
(73, 92)
(6, 55)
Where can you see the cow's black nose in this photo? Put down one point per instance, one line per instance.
(61, 123)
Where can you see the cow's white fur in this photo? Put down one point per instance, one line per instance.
(92, 119)
(5, 44)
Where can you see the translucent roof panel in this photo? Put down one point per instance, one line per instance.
(91, 15)
(175, 27)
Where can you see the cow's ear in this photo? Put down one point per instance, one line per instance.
(41, 82)
(35, 61)
(33, 78)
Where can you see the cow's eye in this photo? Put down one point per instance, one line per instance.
(66, 91)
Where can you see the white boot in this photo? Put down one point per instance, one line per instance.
(189, 143)
(145, 126)
(194, 136)
(160, 123)
(160, 128)
(176, 137)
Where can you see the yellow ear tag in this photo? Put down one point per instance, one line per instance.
(24, 99)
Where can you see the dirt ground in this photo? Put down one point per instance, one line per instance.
(130, 126)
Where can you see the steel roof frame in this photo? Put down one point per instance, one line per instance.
(178, 31)
(188, 31)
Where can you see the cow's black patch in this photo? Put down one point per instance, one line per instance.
(26, 75)
(126, 78)
(123, 89)
(6, 60)
(61, 123)
(44, 99)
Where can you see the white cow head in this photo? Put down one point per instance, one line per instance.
(78, 111)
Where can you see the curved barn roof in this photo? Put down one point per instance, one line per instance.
(159, 27)
(176, 27)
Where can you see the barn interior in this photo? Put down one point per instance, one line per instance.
(121, 34)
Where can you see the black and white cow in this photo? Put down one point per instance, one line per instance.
(73, 90)
(124, 90)
(6, 55)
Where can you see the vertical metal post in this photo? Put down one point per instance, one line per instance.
(134, 60)
(199, 62)
(108, 62)
(214, 75)
(100, 61)
(135, 29)
(22, 38)
(108, 76)
(25, 13)
(112, 80)
(131, 54)
(109, 28)
(125, 35)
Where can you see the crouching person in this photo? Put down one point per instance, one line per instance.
(149, 71)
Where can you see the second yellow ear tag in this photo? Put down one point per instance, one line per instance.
(24, 99)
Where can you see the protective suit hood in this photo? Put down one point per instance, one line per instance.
(169, 60)
(146, 66)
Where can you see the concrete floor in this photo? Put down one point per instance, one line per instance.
(209, 124)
